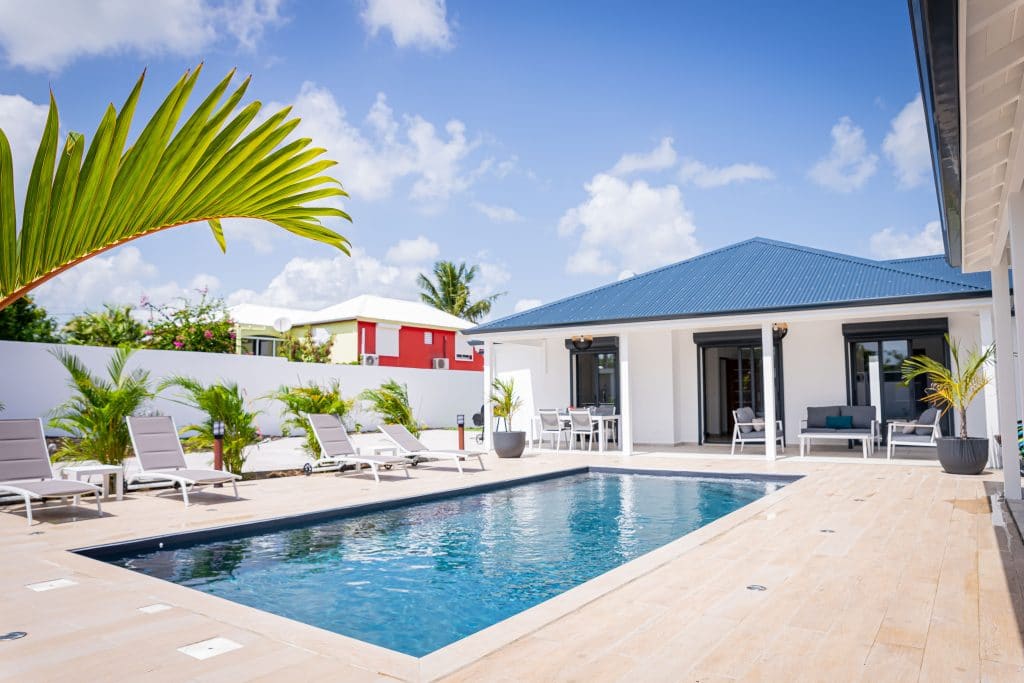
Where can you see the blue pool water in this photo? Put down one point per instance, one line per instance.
(418, 577)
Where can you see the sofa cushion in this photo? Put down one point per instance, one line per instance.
(926, 421)
(912, 438)
(862, 416)
(745, 415)
(816, 416)
(839, 422)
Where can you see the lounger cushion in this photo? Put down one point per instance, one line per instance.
(198, 476)
(23, 453)
(816, 416)
(54, 487)
(926, 421)
(157, 445)
(862, 416)
(745, 415)
(855, 433)
(331, 434)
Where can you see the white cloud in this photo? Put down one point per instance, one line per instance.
(49, 34)
(412, 23)
(889, 244)
(417, 250)
(498, 214)
(906, 145)
(849, 164)
(628, 226)
(22, 122)
(658, 159)
(372, 158)
(701, 175)
(526, 304)
(313, 283)
(122, 277)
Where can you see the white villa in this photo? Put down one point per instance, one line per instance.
(677, 349)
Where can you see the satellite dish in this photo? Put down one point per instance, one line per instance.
(320, 335)
(282, 325)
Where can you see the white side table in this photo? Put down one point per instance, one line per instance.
(104, 470)
(389, 450)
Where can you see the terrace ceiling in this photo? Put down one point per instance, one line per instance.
(991, 46)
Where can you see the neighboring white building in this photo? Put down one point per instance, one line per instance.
(677, 349)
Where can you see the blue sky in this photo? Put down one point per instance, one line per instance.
(558, 145)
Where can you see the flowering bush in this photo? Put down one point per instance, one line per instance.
(202, 325)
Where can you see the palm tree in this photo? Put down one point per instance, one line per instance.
(80, 203)
(450, 292)
(113, 326)
(95, 413)
(222, 402)
(391, 402)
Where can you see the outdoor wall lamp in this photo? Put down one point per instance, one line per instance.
(582, 342)
(780, 330)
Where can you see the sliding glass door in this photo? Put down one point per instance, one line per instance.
(732, 377)
(876, 377)
(594, 372)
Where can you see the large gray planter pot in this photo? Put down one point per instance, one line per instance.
(509, 444)
(962, 456)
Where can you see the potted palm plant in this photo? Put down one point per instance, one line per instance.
(954, 389)
(507, 444)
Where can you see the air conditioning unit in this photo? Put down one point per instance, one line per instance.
(440, 363)
(371, 359)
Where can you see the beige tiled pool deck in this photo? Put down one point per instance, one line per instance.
(919, 579)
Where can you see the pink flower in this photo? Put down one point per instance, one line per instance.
(147, 333)
(178, 343)
(208, 334)
(231, 334)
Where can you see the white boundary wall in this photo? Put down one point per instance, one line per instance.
(33, 382)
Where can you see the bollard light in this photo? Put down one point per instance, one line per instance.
(218, 446)
(218, 429)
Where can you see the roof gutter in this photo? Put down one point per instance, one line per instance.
(934, 26)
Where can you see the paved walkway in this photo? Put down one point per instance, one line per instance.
(873, 572)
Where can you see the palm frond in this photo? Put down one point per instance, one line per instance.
(83, 201)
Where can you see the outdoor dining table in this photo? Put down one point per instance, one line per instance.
(604, 423)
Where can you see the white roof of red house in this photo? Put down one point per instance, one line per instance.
(255, 314)
(365, 307)
(383, 309)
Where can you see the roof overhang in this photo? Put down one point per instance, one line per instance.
(891, 306)
(933, 24)
(971, 63)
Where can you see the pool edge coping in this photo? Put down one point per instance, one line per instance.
(464, 652)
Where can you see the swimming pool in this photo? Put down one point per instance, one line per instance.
(419, 576)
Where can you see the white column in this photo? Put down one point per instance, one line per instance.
(1006, 388)
(626, 396)
(768, 364)
(987, 337)
(488, 381)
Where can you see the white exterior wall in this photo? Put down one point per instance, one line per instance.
(664, 366)
(33, 383)
(654, 414)
(813, 370)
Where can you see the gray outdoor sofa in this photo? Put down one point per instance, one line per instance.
(820, 425)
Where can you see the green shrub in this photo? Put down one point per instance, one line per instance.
(95, 414)
(113, 326)
(307, 399)
(391, 402)
(305, 349)
(222, 402)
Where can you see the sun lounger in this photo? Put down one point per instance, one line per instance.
(158, 449)
(25, 467)
(411, 447)
(337, 447)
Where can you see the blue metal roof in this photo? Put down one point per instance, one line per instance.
(756, 275)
